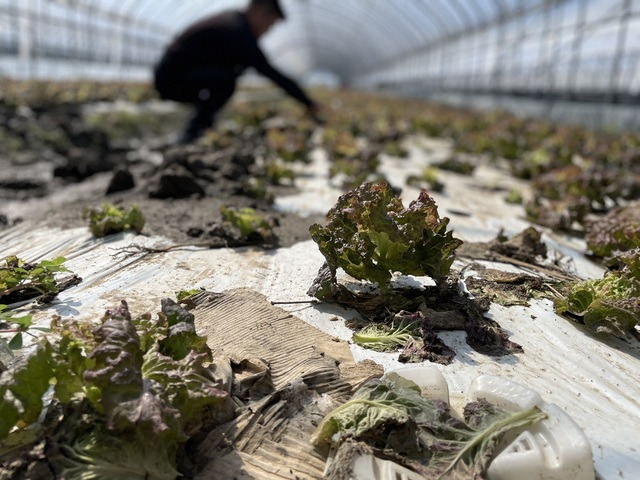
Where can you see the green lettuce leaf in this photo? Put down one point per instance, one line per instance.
(608, 305)
(370, 235)
(109, 219)
(189, 383)
(181, 337)
(22, 388)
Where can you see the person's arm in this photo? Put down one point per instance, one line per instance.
(262, 65)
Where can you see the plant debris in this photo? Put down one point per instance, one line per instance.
(504, 288)
(393, 419)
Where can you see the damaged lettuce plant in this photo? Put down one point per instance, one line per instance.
(393, 419)
(126, 395)
(110, 219)
(370, 235)
(20, 280)
(387, 338)
(607, 305)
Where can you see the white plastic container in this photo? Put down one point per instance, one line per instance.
(429, 379)
(553, 449)
(368, 467)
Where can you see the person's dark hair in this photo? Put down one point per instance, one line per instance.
(273, 5)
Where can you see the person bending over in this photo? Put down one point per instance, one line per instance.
(201, 65)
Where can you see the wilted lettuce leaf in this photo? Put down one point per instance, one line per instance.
(392, 400)
(391, 414)
(387, 338)
(96, 454)
(109, 219)
(610, 304)
(370, 235)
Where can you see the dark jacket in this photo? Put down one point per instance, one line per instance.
(224, 43)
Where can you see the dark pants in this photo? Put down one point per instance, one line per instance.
(207, 88)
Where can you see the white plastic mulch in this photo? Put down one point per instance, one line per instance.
(594, 379)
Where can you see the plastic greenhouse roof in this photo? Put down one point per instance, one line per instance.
(519, 45)
(371, 30)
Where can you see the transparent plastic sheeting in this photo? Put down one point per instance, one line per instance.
(404, 46)
(594, 380)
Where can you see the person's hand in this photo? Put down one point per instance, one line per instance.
(314, 111)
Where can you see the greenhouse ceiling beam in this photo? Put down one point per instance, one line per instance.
(445, 32)
(380, 44)
(462, 11)
(326, 43)
(183, 12)
(116, 16)
(322, 53)
(507, 16)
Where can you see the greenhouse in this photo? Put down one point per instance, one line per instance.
(319, 239)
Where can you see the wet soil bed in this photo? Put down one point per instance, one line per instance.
(179, 188)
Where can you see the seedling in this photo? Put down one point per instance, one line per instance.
(20, 280)
(249, 223)
(109, 219)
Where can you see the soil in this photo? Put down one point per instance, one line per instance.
(179, 188)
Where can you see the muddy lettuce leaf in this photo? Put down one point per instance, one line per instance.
(370, 235)
(390, 414)
(610, 304)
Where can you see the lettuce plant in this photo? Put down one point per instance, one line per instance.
(610, 304)
(249, 223)
(109, 219)
(20, 280)
(131, 391)
(370, 235)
